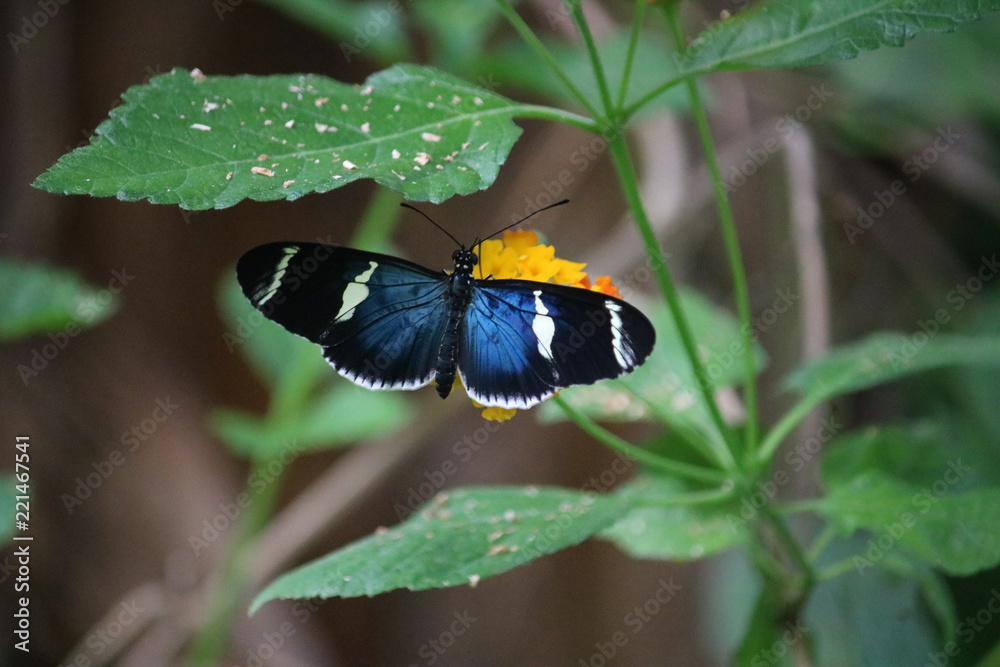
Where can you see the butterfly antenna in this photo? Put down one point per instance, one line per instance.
(414, 208)
(515, 224)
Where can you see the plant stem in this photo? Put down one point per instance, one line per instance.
(209, 647)
(737, 268)
(378, 221)
(651, 460)
(633, 40)
(630, 184)
(769, 444)
(576, 11)
(532, 40)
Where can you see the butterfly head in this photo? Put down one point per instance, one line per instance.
(464, 260)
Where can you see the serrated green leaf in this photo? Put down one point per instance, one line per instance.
(915, 453)
(35, 298)
(884, 357)
(204, 142)
(796, 33)
(953, 531)
(678, 533)
(458, 538)
(340, 416)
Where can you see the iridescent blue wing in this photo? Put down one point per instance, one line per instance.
(522, 341)
(379, 319)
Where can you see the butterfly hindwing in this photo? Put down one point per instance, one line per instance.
(379, 318)
(523, 340)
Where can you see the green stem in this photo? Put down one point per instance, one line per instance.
(651, 460)
(724, 492)
(576, 11)
(737, 268)
(630, 184)
(212, 641)
(773, 438)
(532, 40)
(378, 221)
(551, 113)
(633, 41)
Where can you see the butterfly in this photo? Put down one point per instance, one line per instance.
(387, 323)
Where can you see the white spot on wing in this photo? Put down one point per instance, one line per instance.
(279, 273)
(355, 293)
(543, 327)
(623, 355)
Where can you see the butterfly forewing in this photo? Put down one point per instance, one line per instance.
(525, 340)
(379, 318)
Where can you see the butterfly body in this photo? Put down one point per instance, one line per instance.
(387, 323)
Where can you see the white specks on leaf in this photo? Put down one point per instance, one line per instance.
(473, 580)
(284, 105)
(320, 127)
(262, 157)
(398, 175)
(367, 90)
(396, 108)
(290, 124)
(456, 100)
(268, 122)
(427, 136)
(229, 175)
(320, 101)
(478, 101)
(509, 515)
(345, 108)
(395, 154)
(483, 145)
(197, 75)
(287, 184)
(349, 165)
(366, 128)
(430, 105)
(422, 159)
(263, 171)
(209, 106)
(199, 126)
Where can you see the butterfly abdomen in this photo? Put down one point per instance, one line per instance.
(459, 296)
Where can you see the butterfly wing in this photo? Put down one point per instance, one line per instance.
(522, 341)
(380, 319)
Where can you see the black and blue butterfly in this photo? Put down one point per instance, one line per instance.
(387, 323)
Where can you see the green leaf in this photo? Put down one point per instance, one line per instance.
(205, 142)
(796, 33)
(884, 357)
(342, 415)
(953, 531)
(678, 533)
(457, 538)
(35, 298)
(880, 616)
(915, 453)
(764, 633)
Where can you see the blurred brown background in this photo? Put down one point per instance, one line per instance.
(128, 543)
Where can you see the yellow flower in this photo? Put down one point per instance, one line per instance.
(520, 255)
